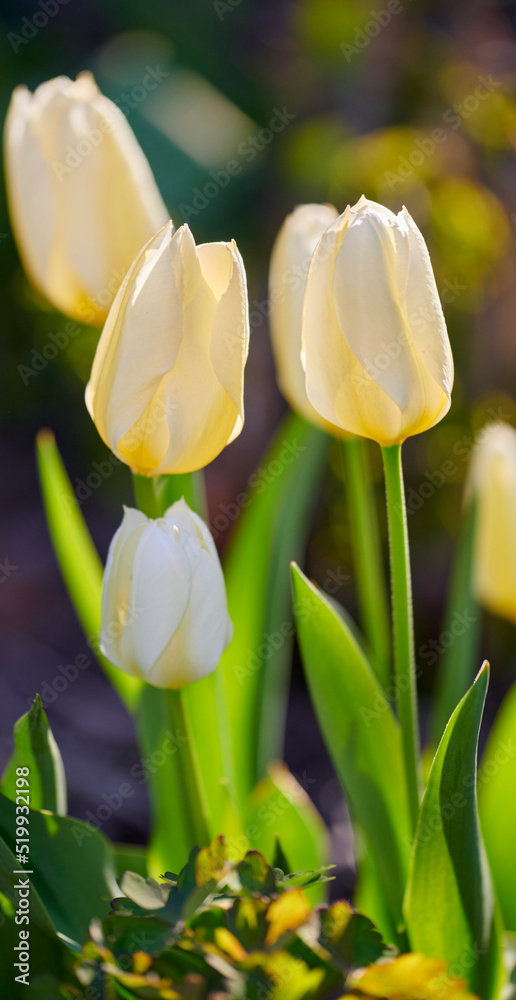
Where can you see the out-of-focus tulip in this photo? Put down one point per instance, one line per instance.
(376, 352)
(82, 197)
(164, 609)
(492, 484)
(290, 260)
(166, 387)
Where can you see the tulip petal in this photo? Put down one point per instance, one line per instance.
(116, 594)
(423, 309)
(126, 375)
(290, 261)
(160, 591)
(199, 642)
(216, 263)
(493, 481)
(206, 629)
(230, 334)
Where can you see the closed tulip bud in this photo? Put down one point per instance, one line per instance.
(166, 387)
(82, 197)
(164, 609)
(290, 260)
(376, 352)
(492, 485)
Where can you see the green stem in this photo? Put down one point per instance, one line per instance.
(372, 596)
(145, 495)
(193, 807)
(404, 658)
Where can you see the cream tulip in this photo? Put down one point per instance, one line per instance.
(376, 352)
(82, 197)
(164, 609)
(290, 260)
(166, 387)
(492, 484)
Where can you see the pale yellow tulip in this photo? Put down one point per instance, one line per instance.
(166, 387)
(376, 352)
(290, 260)
(82, 197)
(492, 484)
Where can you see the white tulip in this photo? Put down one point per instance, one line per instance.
(164, 608)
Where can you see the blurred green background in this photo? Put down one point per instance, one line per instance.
(407, 102)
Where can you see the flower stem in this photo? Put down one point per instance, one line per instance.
(404, 658)
(194, 809)
(372, 595)
(145, 495)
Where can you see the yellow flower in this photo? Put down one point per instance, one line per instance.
(166, 387)
(164, 609)
(492, 482)
(376, 352)
(82, 197)
(290, 260)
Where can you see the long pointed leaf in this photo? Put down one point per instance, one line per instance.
(360, 731)
(36, 748)
(250, 569)
(77, 556)
(449, 905)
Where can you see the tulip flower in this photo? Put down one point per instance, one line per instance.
(291, 255)
(82, 197)
(164, 609)
(166, 387)
(376, 352)
(492, 485)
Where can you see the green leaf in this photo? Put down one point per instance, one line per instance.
(48, 954)
(256, 875)
(145, 892)
(360, 732)
(36, 748)
(270, 531)
(462, 621)
(280, 807)
(77, 557)
(497, 805)
(72, 865)
(351, 939)
(449, 905)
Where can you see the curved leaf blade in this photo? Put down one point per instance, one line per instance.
(255, 678)
(449, 906)
(360, 731)
(36, 748)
